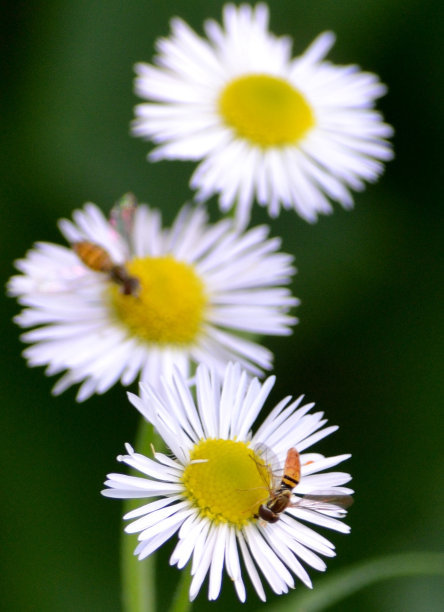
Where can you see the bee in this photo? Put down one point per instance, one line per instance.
(280, 496)
(96, 258)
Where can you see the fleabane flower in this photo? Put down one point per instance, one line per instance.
(145, 299)
(212, 490)
(288, 132)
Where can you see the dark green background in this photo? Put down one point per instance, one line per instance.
(366, 349)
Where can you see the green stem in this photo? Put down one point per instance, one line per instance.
(350, 580)
(138, 577)
(181, 601)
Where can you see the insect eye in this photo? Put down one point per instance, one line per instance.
(267, 515)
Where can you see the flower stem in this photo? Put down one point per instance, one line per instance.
(181, 601)
(138, 577)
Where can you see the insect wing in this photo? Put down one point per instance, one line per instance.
(327, 504)
(122, 216)
(269, 467)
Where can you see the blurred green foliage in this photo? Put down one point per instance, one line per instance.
(367, 349)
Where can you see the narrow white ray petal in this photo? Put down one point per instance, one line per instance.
(307, 442)
(324, 481)
(305, 535)
(155, 517)
(174, 520)
(255, 405)
(251, 568)
(131, 493)
(147, 547)
(150, 507)
(232, 563)
(302, 551)
(285, 553)
(188, 540)
(217, 563)
(319, 519)
(146, 466)
(321, 464)
(278, 416)
(274, 571)
(204, 564)
(208, 400)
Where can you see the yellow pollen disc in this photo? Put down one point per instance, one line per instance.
(230, 485)
(169, 306)
(266, 110)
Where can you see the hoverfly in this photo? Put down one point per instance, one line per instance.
(280, 495)
(96, 258)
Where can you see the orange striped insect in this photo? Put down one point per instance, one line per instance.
(96, 258)
(280, 496)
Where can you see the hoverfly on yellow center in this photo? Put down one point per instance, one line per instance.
(280, 493)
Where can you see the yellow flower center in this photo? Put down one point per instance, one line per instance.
(169, 306)
(266, 110)
(231, 482)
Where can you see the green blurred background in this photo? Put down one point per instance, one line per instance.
(367, 349)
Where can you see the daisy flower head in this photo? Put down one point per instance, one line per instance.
(288, 132)
(128, 298)
(213, 490)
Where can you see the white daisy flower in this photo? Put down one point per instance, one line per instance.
(214, 489)
(168, 298)
(288, 132)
